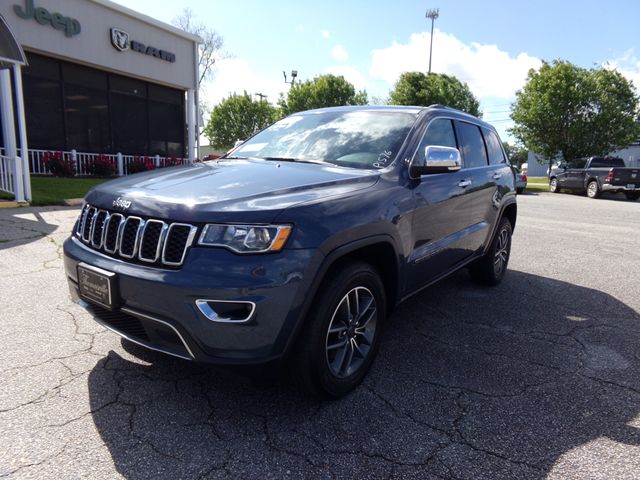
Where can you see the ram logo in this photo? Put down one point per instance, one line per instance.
(119, 39)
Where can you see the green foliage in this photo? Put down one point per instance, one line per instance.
(569, 110)
(323, 91)
(516, 153)
(417, 88)
(238, 117)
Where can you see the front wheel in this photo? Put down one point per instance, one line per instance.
(492, 266)
(553, 185)
(341, 336)
(593, 191)
(632, 195)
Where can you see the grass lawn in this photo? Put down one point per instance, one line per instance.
(538, 184)
(54, 190)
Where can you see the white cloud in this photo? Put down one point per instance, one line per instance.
(628, 65)
(489, 71)
(325, 34)
(351, 74)
(234, 75)
(339, 53)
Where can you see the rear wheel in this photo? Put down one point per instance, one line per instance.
(342, 334)
(632, 195)
(553, 185)
(491, 268)
(593, 191)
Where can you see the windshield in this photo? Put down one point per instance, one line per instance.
(357, 139)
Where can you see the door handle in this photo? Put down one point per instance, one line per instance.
(497, 176)
(464, 183)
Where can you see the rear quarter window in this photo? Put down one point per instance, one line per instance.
(494, 148)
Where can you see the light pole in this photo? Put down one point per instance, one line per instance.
(294, 74)
(432, 13)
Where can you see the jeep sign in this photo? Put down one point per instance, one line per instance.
(69, 25)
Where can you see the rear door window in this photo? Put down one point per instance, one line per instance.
(474, 152)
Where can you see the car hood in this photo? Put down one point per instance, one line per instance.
(246, 190)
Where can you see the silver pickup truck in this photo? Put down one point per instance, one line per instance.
(595, 175)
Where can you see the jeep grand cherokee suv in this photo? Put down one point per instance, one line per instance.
(298, 243)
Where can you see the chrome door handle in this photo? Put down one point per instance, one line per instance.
(464, 183)
(497, 176)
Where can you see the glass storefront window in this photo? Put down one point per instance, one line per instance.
(70, 106)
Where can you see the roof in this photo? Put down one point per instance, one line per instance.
(147, 19)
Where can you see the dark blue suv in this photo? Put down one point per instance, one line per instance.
(298, 243)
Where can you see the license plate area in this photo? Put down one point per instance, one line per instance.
(97, 285)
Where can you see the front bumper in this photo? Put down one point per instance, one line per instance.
(157, 307)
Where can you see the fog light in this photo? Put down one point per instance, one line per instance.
(225, 311)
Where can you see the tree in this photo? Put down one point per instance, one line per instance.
(568, 110)
(417, 88)
(236, 118)
(517, 153)
(209, 51)
(323, 91)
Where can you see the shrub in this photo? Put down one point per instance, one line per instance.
(103, 166)
(141, 164)
(58, 165)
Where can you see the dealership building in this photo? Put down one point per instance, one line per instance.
(100, 79)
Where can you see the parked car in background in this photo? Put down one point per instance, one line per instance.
(298, 243)
(521, 182)
(595, 175)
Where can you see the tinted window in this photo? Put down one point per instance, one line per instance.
(607, 162)
(577, 163)
(439, 132)
(496, 155)
(472, 147)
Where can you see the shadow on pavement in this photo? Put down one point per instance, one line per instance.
(19, 226)
(470, 383)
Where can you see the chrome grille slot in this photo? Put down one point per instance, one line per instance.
(151, 243)
(179, 238)
(111, 234)
(134, 239)
(88, 223)
(130, 236)
(97, 231)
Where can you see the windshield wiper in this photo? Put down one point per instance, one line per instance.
(232, 158)
(292, 159)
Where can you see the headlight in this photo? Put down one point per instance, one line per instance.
(245, 238)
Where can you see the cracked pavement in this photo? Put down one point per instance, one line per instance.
(537, 378)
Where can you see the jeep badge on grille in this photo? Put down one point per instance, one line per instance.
(121, 203)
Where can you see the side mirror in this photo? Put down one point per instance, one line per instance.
(436, 160)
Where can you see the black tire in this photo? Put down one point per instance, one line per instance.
(486, 270)
(632, 195)
(519, 190)
(593, 190)
(553, 185)
(316, 366)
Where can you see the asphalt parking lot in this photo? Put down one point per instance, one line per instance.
(537, 378)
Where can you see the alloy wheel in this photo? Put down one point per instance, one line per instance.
(501, 256)
(351, 332)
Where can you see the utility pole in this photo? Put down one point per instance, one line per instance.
(432, 13)
(262, 96)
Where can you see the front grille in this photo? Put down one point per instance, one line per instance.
(135, 239)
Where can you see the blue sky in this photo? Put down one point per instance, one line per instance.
(489, 44)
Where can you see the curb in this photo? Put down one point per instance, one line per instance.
(12, 204)
(73, 202)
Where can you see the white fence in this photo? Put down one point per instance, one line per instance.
(82, 162)
(6, 174)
